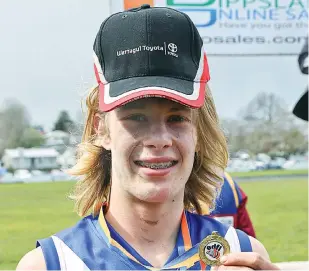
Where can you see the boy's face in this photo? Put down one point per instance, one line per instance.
(152, 143)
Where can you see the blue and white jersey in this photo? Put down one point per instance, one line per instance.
(93, 244)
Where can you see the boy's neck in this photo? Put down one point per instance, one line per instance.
(151, 229)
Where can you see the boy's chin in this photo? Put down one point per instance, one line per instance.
(158, 195)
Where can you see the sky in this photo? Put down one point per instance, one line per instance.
(46, 62)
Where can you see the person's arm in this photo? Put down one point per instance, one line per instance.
(258, 259)
(33, 260)
(244, 222)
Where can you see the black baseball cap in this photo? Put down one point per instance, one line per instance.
(149, 52)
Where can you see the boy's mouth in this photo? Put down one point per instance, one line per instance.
(160, 165)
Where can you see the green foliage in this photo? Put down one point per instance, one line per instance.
(14, 119)
(267, 126)
(64, 122)
(31, 138)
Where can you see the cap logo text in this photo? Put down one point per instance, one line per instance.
(170, 49)
(139, 49)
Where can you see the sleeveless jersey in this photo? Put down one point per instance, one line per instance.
(228, 202)
(93, 244)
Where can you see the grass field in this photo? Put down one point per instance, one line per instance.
(28, 212)
(275, 172)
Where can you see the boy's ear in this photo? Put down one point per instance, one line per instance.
(101, 131)
(96, 122)
(197, 147)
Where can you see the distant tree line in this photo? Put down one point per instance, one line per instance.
(266, 125)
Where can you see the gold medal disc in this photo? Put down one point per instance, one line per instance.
(212, 248)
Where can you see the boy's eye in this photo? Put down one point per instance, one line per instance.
(177, 118)
(143, 118)
(137, 117)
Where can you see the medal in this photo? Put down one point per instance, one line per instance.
(212, 248)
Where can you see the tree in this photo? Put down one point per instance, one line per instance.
(236, 133)
(14, 119)
(294, 141)
(266, 126)
(31, 138)
(64, 122)
(265, 108)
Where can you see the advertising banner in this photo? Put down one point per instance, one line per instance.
(241, 27)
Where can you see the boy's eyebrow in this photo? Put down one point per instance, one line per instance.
(180, 108)
(140, 105)
(132, 105)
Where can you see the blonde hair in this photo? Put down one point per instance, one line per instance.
(94, 162)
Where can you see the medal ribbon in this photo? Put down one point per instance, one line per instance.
(188, 255)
